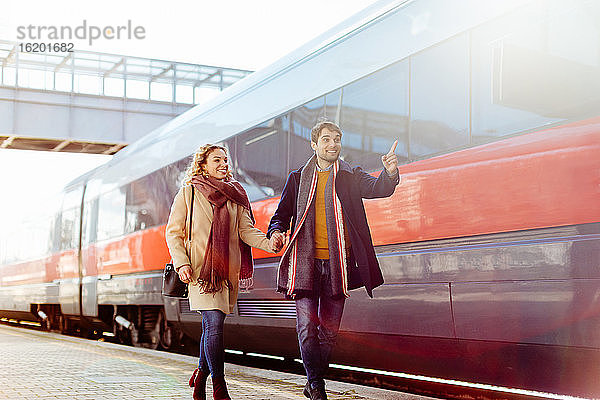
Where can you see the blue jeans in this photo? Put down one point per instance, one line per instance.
(212, 351)
(317, 322)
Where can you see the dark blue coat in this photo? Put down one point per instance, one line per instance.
(352, 185)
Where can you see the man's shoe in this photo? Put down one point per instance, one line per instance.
(317, 393)
(307, 390)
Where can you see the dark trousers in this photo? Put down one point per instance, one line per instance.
(317, 322)
(212, 350)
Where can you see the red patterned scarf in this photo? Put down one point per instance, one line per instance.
(296, 271)
(214, 274)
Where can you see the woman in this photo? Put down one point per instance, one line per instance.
(216, 258)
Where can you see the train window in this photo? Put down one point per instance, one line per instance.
(333, 102)
(10, 245)
(68, 235)
(90, 221)
(374, 113)
(40, 236)
(72, 198)
(303, 119)
(260, 158)
(55, 233)
(69, 229)
(253, 190)
(140, 207)
(535, 67)
(439, 98)
(111, 214)
(5, 248)
(174, 176)
(147, 203)
(28, 240)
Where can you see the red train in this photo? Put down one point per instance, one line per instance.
(490, 246)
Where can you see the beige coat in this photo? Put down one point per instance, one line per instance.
(241, 227)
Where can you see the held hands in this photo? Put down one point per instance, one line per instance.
(277, 241)
(185, 274)
(390, 161)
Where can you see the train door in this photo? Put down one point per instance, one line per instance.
(88, 257)
(68, 251)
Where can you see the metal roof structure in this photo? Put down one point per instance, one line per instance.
(159, 88)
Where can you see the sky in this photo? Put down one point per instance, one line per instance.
(236, 34)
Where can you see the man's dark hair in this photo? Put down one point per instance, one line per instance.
(315, 132)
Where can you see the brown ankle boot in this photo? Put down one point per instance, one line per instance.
(220, 389)
(198, 382)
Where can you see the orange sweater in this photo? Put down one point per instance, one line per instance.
(321, 242)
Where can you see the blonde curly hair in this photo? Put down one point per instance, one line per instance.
(199, 159)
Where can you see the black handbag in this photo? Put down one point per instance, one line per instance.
(173, 286)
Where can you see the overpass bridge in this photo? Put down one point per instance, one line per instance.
(91, 102)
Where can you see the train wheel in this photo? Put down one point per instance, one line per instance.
(122, 334)
(135, 337)
(170, 336)
(47, 324)
(63, 324)
(153, 339)
(146, 332)
(151, 319)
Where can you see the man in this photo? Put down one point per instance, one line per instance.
(330, 250)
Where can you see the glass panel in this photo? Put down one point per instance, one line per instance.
(69, 229)
(184, 94)
(31, 78)
(114, 87)
(332, 106)
(374, 114)
(203, 94)
(62, 81)
(148, 201)
(40, 235)
(68, 234)
(9, 75)
(90, 221)
(161, 91)
(137, 89)
(26, 241)
(260, 160)
(174, 176)
(5, 248)
(111, 214)
(140, 207)
(55, 233)
(16, 248)
(439, 98)
(88, 84)
(49, 80)
(72, 198)
(303, 119)
(535, 67)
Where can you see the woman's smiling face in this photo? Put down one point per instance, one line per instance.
(216, 164)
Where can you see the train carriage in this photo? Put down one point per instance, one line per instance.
(490, 245)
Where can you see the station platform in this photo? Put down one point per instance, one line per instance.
(45, 365)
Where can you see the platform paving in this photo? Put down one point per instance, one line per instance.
(44, 365)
